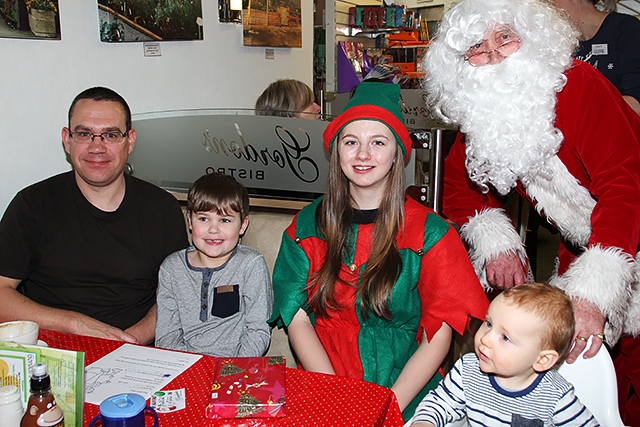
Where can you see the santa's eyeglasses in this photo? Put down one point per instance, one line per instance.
(506, 41)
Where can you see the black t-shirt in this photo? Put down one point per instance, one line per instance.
(71, 255)
(615, 52)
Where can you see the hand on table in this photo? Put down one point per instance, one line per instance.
(589, 322)
(17, 306)
(85, 325)
(506, 271)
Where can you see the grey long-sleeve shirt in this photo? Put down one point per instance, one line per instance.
(220, 311)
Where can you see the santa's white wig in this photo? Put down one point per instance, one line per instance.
(506, 110)
(543, 31)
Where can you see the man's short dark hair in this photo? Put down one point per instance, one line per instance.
(102, 94)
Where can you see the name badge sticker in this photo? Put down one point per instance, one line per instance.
(600, 49)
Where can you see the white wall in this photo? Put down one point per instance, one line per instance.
(40, 78)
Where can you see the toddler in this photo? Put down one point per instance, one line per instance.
(511, 378)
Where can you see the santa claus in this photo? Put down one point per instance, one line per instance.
(554, 129)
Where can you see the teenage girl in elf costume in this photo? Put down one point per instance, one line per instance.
(369, 283)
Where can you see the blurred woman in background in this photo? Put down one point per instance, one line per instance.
(288, 98)
(610, 41)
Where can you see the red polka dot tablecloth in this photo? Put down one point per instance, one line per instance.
(313, 400)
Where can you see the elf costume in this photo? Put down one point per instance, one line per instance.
(436, 283)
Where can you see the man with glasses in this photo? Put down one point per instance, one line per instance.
(81, 250)
(555, 130)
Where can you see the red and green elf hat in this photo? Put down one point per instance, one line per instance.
(372, 101)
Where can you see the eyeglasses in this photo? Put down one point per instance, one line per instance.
(508, 43)
(83, 137)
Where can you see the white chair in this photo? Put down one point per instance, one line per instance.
(595, 385)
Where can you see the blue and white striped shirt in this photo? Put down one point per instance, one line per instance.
(548, 401)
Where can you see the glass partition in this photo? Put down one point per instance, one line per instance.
(274, 157)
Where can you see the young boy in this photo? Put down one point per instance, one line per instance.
(215, 297)
(510, 380)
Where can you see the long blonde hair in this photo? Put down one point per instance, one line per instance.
(334, 219)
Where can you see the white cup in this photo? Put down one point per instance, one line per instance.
(22, 331)
(11, 410)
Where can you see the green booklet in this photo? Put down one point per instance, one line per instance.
(65, 367)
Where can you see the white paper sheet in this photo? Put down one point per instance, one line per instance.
(134, 369)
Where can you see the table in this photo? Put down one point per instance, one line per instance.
(313, 400)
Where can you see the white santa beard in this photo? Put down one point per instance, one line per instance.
(507, 111)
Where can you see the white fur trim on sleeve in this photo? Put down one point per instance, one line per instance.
(602, 276)
(632, 325)
(490, 233)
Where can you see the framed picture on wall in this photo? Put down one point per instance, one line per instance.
(149, 20)
(30, 19)
(272, 23)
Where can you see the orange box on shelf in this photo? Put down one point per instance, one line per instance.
(414, 75)
(406, 67)
(408, 43)
(412, 35)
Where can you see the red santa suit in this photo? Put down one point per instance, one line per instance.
(593, 198)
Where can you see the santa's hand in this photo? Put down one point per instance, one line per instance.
(589, 322)
(506, 271)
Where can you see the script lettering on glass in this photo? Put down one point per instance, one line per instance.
(269, 155)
